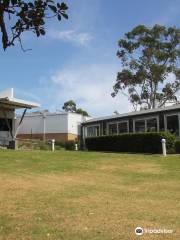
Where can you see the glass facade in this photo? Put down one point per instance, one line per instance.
(151, 125)
(122, 127)
(112, 128)
(140, 126)
(173, 124)
(93, 131)
(148, 123)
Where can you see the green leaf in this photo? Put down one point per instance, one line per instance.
(30, 4)
(63, 6)
(59, 17)
(13, 2)
(42, 31)
(53, 8)
(64, 15)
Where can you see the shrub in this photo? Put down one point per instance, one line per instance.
(60, 143)
(44, 147)
(177, 146)
(131, 142)
(69, 145)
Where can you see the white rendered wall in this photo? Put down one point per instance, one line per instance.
(57, 123)
(74, 123)
(54, 123)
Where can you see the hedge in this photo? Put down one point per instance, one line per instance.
(69, 145)
(131, 142)
(177, 146)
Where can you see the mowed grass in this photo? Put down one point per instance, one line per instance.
(87, 195)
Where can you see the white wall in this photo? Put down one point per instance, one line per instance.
(54, 123)
(57, 123)
(74, 123)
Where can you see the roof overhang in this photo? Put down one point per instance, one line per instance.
(175, 107)
(7, 100)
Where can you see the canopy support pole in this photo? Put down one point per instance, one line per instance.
(22, 117)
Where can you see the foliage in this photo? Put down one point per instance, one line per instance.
(18, 16)
(177, 146)
(69, 145)
(132, 142)
(43, 146)
(60, 144)
(34, 144)
(148, 57)
(82, 112)
(70, 106)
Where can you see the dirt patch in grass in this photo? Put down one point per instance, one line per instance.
(133, 167)
(106, 201)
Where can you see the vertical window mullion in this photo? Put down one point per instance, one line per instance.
(145, 125)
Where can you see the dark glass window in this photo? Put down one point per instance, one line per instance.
(140, 126)
(112, 128)
(122, 127)
(93, 131)
(151, 125)
(3, 124)
(173, 124)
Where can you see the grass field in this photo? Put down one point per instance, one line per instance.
(81, 195)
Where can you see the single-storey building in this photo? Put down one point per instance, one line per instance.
(47, 125)
(153, 120)
(8, 105)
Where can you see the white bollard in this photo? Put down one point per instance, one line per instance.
(76, 147)
(163, 141)
(53, 144)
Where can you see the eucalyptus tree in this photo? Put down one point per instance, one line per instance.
(150, 73)
(18, 16)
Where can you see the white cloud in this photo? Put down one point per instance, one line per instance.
(89, 86)
(72, 36)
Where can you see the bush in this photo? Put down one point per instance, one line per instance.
(69, 145)
(177, 146)
(60, 144)
(44, 146)
(131, 142)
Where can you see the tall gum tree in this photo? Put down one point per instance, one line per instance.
(149, 56)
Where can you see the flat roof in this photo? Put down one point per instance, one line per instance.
(135, 113)
(47, 113)
(7, 100)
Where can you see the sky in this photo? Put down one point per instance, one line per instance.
(77, 57)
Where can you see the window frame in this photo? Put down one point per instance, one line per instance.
(145, 120)
(117, 122)
(94, 125)
(169, 115)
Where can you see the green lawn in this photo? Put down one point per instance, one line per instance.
(80, 195)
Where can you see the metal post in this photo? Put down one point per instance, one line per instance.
(44, 127)
(21, 120)
(163, 141)
(53, 144)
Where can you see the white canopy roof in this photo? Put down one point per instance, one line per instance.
(7, 100)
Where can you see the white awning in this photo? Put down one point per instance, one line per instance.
(7, 100)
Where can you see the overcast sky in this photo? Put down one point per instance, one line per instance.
(77, 57)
